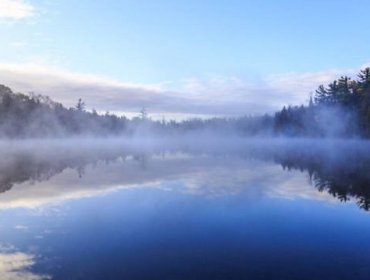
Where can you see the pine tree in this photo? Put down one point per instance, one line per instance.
(80, 106)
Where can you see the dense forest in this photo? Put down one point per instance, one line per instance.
(340, 109)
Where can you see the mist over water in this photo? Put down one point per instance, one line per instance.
(338, 167)
(185, 208)
(164, 140)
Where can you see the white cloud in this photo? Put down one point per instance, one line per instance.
(15, 266)
(107, 94)
(21, 227)
(211, 96)
(298, 86)
(16, 9)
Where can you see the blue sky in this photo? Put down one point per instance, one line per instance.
(211, 57)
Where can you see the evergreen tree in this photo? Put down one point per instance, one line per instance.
(80, 106)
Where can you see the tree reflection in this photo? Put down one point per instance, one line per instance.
(26, 166)
(338, 168)
(341, 171)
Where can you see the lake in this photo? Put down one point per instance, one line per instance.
(186, 209)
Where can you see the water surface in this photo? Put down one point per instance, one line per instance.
(233, 210)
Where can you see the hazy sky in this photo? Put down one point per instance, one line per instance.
(194, 57)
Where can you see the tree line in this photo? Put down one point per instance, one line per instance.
(340, 109)
(38, 116)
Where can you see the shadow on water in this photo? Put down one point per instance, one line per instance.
(339, 168)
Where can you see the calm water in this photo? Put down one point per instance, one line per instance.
(235, 210)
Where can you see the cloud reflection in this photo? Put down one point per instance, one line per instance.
(63, 173)
(294, 169)
(17, 265)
